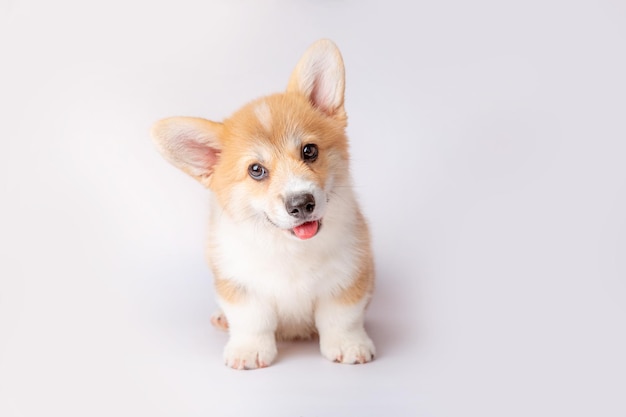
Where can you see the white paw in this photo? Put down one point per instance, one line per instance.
(218, 319)
(348, 348)
(250, 355)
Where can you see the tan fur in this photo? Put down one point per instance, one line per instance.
(229, 291)
(361, 287)
(363, 284)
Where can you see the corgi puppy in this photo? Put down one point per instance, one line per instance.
(288, 246)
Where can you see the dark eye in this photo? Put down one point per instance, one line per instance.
(309, 152)
(257, 171)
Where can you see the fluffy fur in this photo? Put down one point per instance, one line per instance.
(290, 249)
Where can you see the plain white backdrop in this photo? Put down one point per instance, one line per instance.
(488, 143)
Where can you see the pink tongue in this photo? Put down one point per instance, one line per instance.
(306, 230)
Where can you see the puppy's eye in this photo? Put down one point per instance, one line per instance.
(257, 171)
(309, 152)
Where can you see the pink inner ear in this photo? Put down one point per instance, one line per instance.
(323, 91)
(317, 96)
(199, 156)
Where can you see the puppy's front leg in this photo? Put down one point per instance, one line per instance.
(252, 328)
(342, 335)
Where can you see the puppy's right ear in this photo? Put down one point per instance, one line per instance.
(189, 143)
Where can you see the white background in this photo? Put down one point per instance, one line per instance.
(489, 146)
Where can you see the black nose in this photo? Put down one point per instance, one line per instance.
(300, 205)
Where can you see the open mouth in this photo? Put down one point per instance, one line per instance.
(307, 230)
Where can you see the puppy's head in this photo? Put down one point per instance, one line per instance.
(280, 159)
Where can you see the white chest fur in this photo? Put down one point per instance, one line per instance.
(287, 274)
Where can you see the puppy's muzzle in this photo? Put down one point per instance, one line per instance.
(300, 206)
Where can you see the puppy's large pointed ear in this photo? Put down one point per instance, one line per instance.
(320, 76)
(189, 143)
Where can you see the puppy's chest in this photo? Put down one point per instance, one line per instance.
(285, 271)
(290, 282)
(279, 273)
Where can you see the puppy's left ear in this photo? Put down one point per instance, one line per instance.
(320, 76)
